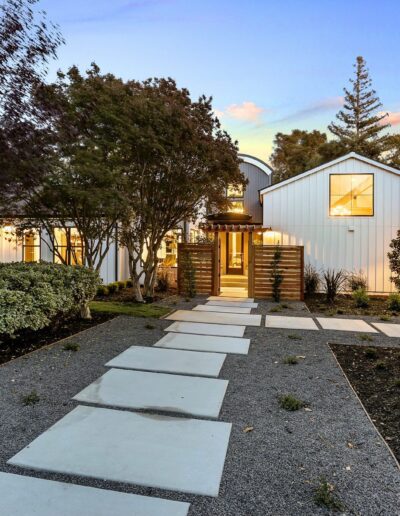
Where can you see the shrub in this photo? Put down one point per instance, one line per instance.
(394, 302)
(33, 295)
(276, 275)
(333, 282)
(162, 282)
(289, 402)
(113, 287)
(394, 260)
(356, 281)
(312, 280)
(121, 285)
(361, 298)
(102, 290)
(129, 283)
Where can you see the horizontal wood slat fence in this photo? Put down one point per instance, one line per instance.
(196, 265)
(290, 265)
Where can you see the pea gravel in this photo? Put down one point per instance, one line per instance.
(270, 470)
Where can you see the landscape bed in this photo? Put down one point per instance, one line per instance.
(374, 373)
(345, 305)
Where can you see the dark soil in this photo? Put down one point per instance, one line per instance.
(375, 375)
(345, 305)
(126, 295)
(30, 340)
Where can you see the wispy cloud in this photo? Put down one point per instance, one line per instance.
(246, 111)
(327, 104)
(392, 119)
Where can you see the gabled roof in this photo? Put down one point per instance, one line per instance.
(351, 155)
(257, 163)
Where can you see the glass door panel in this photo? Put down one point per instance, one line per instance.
(234, 255)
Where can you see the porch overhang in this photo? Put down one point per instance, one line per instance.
(224, 227)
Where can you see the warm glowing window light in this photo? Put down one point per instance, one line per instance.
(233, 192)
(351, 195)
(236, 207)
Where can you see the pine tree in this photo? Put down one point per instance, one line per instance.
(361, 122)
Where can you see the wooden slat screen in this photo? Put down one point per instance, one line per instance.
(291, 266)
(201, 257)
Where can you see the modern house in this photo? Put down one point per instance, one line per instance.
(343, 213)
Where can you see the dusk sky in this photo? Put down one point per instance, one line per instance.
(269, 65)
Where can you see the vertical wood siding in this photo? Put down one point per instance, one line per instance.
(258, 179)
(299, 215)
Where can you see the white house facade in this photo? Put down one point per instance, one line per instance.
(345, 213)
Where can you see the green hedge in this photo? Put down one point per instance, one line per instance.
(33, 295)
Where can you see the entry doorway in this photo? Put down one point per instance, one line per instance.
(235, 253)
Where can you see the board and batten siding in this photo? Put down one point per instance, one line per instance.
(258, 179)
(298, 213)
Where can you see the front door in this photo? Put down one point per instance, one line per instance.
(234, 252)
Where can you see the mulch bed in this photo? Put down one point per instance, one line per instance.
(375, 375)
(126, 296)
(30, 340)
(344, 304)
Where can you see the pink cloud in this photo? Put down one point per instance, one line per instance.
(392, 119)
(246, 111)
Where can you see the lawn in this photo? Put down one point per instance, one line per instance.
(133, 309)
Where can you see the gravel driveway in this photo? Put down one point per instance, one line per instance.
(272, 470)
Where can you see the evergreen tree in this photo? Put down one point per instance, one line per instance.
(360, 128)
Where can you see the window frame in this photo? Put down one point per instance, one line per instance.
(24, 246)
(234, 197)
(356, 174)
(68, 247)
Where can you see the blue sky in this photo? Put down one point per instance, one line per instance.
(269, 65)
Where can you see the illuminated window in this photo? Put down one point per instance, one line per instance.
(168, 252)
(236, 207)
(68, 246)
(351, 195)
(31, 246)
(235, 192)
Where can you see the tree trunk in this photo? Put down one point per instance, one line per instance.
(85, 311)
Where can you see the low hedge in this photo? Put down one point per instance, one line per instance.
(33, 295)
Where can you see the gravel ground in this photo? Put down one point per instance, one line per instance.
(272, 470)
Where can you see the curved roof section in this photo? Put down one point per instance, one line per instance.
(252, 160)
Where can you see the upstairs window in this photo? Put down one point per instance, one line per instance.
(351, 195)
(236, 207)
(69, 246)
(31, 246)
(235, 192)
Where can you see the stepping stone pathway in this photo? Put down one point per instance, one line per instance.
(157, 392)
(206, 329)
(244, 304)
(389, 329)
(26, 496)
(205, 343)
(169, 361)
(331, 323)
(232, 299)
(179, 454)
(216, 318)
(222, 309)
(291, 323)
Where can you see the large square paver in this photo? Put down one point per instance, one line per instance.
(231, 298)
(29, 496)
(206, 329)
(169, 361)
(222, 309)
(157, 392)
(389, 329)
(205, 343)
(331, 323)
(173, 453)
(215, 318)
(220, 302)
(290, 323)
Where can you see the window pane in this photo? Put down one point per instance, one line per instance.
(31, 246)
(60, 237)
(351, 195)
(236, 207)
(235, 191)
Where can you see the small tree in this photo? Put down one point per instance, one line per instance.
(360, 121)
(394, 260)
(180, 158)
(276, 275)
